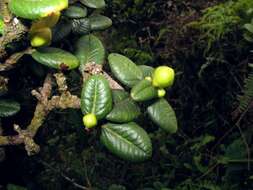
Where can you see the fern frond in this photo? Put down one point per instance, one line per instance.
(246, 99)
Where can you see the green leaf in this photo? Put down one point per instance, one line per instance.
(143, 91)
(76, 12)
(56, 58)
(248, 36)
(124, 111)
(119, 95)
(30, 9)
(89, 49)
(61, 30)
(96, 96)
(8, 108)
(147, 70)
(100, 22)
(81, 26)
(249, 27)
(197, 160)
(96, 4)
(163, 115)
(126, 71)
(236, 150)
(128, 141)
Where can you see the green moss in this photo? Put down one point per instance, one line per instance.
(222, 19)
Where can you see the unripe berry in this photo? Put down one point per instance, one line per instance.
(161, 93)
(163, 77)
(89, 120)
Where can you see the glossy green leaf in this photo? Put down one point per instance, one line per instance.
(31, 9)
(76, 12)
(89, 49)
(119, 95)
(163, 115)
(126, 71)
(143, 91)
(96, 4)
(96, 96)
(81, 26)
(147, 70)
(56, 58)
(100, 22)
(124, 111)
(128, 141)
(8, 108)
(61, 30)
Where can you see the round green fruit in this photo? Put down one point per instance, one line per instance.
(89, 120)
(163, 77)
(148, 78)
(161, 93)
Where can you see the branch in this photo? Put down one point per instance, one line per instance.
(46, 103)
(14, 58)
(14, 30)
(3, 85)
(71, 180)
(92, 69)
(44, 106)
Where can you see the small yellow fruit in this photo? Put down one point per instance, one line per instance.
(148, 78)
(161, 93)
(163, 77)
(89, 120)
(41, 37)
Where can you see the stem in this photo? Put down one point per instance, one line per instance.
(14, 30)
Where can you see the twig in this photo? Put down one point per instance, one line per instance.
(3, 85)
(44, 106)
(92, 69)
(113, 84)
(242, 135)
(65, 177)
(208, 171)
(13, 31)
(246, 146)
(13, 59)
(86, 173)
